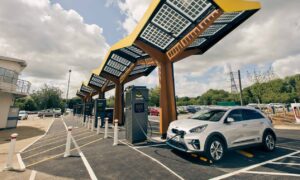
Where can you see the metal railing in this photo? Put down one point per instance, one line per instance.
(9, 82)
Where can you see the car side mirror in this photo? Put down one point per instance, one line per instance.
(229, 120)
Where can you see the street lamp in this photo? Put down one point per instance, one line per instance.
(68, 88)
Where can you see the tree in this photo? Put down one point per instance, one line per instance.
(74, 101)
(154, 95)
(48, 97)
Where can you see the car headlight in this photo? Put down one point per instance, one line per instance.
(198, 129)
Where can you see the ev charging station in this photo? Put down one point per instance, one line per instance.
(136, 113)
(100, 106)
(88, 108)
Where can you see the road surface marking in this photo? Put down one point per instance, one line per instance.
(52, 157)
(85, 161)
(56, 147)
(62, 139)
(252, 167)
(272, 173)
(38, 137)
(244, 153)
(288, 164)
(155, 160)
(21, 163)
(32, 175)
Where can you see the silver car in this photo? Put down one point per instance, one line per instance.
(214, 131)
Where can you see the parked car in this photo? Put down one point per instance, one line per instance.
(214, 131)
(191, 109)
(154, 111)
(49, 113)
(23, 115)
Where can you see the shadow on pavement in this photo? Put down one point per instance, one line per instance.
(24, 132)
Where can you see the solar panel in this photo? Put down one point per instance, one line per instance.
(97, 81)
(120, 59)
(156, 36)
(86, 89)
(171, 21)
(191, 8)
(228, 17)
(116, 65)
(112, 71)
(137, 51)
(213, 29)
(130, 53)
(198, 42)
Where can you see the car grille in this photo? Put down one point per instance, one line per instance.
(177, 144)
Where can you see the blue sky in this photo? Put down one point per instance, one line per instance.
(54, 36)
(97, 12)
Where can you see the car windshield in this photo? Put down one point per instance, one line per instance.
(209, 115)
(22, 112)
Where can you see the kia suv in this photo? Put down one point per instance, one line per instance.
(214, 131)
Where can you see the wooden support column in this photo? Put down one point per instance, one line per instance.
(118, 107)
(167, 96)
(101, 95)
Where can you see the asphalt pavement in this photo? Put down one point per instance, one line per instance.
(97, 157)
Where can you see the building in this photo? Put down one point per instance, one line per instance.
(11, 87)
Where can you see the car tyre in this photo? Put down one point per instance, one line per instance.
(215, 149)
(269, 141)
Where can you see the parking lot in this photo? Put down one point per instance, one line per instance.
(96, 157)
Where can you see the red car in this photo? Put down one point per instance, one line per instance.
(154, 111)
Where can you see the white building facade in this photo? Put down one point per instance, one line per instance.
(11, 87)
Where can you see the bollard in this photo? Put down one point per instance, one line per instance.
(68, 143)
(85, 123)
(93, 124)
(98, 126)
(106, 128)
(116, 133)
(11, 151)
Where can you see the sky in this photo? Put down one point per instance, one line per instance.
(54, 36)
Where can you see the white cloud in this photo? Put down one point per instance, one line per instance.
(272, 33)
(52, 40)
(287, 66)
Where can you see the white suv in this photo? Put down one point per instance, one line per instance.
(214, 131)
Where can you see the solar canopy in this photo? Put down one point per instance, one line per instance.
(167, 24)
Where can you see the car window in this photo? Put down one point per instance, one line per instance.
(251, 114)
(209, 115)
(236, 115)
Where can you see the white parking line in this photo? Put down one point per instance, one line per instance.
(294, 156)
(155, 160)
(39, 137)
(85, 161)
(252, 167)
(282, 163)
(272, 173)
(32, 175)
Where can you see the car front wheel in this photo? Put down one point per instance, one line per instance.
(215, 149)
(269, 142)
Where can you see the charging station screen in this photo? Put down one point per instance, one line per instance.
(139, 108)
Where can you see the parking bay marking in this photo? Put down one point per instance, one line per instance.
(52, 143)
(52, 157)
(155, 160)
(245, 153)
(253, 166)
(56, 147)
(271, 173)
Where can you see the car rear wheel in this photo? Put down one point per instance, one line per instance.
(269, 142)
(215, 149)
